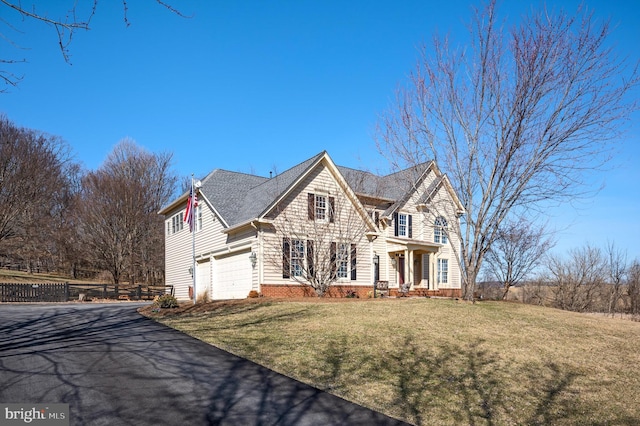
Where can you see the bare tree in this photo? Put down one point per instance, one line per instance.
(516, 120)
(65, 22)
(119, 209)
(616, 260)
(33, 180)
(579, 279)
(519, 247)
(633, 289)
(70, 252)
(316, 240)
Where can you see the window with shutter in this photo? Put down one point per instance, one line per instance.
(403, 225)
(320, 207)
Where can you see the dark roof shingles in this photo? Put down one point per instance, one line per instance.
(240, 197)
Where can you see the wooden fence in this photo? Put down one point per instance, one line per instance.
(64, 292)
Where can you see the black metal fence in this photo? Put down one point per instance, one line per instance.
(64, 292)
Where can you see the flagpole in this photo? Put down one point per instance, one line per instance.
(193, 240)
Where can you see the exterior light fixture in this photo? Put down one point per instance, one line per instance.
(253, 258)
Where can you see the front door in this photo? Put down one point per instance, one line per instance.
(401, 277)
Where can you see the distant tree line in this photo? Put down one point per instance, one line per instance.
(57, 217)
(587, 279)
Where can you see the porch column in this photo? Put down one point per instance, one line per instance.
(408, 267)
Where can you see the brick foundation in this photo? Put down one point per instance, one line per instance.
(423, 292)
(295, 290)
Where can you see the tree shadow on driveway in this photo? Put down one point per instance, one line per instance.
(114, 366)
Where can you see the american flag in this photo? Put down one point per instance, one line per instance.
(192, 203)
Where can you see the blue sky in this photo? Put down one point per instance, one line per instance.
(256, 86)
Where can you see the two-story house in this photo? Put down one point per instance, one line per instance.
(316, 228)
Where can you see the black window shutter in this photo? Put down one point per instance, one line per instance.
(395, 224)
(311, 206)
(377, 218)
(332, 207)
(286, 258)
(333, 259)
(353, 262)
(410, 226)
(310, 263)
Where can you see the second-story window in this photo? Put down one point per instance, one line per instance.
(321, 207)
(440, 230)
(403, 225)
(198, 218)
(176, 223)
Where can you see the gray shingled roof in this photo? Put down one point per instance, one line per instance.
(394, 186)
(227, 191)
(240, 197)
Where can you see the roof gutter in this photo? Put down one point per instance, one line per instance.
(253, 223)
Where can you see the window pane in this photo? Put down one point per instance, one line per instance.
(443, 271)
(439, 232)
(402, 225)
(297, 258)
(321, 207)
(343, 260)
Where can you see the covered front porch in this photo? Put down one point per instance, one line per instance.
(412, 266)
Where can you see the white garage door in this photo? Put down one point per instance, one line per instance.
(232, 277)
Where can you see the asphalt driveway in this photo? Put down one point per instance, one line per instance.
(116, 367)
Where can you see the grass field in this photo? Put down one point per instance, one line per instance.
(434, 361)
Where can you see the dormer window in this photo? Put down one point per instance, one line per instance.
(440, 230)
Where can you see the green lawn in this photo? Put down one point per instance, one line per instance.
(435, 361)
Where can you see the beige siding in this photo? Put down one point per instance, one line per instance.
(292, 221)
(178, 249)
(442, 206)
(178, 257)
(423, 230)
